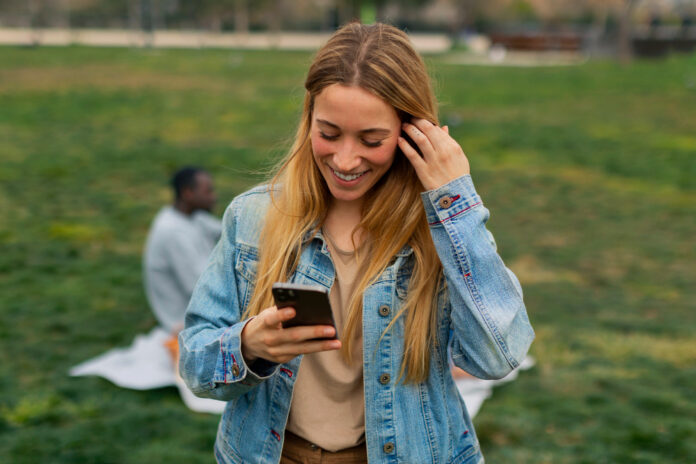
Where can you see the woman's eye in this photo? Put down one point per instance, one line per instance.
(327, 136)
(372, 144)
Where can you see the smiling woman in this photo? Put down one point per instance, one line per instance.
(395, 230)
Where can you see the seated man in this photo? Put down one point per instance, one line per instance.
(178, 245)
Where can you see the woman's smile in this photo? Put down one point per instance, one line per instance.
(348, 177)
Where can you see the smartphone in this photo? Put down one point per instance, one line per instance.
(311, 303)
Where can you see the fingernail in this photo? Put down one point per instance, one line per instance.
(328, 332)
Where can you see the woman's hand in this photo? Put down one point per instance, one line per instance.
(264, 337)
(443, 159)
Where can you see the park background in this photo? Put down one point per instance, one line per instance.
(585, 155)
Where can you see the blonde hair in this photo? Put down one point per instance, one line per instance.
(380, 59)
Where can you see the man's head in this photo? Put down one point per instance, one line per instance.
(193, 190)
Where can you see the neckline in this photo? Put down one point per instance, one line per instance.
(334, 246)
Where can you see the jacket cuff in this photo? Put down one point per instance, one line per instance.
(452, 199)
(234, 368)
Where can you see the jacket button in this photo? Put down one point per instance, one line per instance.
(445, 202)
(384, 310)
(384, 379)
(388, 447)
(235, 370)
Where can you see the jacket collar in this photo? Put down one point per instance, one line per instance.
(318, 235)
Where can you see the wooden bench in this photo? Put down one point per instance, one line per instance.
(537, 42)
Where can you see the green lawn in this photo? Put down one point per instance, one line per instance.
(589, 172)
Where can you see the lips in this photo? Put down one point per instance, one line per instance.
(348, 177)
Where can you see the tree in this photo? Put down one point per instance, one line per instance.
(241, 16)
(625, 46)
(622, 12)
(467, 12)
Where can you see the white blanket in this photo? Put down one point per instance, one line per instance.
(475, 391)
(147, 364)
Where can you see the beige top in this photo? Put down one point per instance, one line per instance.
(328, 403)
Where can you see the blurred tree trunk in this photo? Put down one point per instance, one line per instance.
(146, 15)
(34, 9)
(134, 15)
(625, 45)
(146, 22)
(216, 24)
(54, 13)
(157, 16)
(597, 31)
(467, 11)
(274, 15)
(241, 16)
(63, 19)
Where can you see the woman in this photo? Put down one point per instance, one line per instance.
(394, 227)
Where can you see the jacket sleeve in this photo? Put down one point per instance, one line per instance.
(210, 347)
(490, 329)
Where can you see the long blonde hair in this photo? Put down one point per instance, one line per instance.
(380, 59)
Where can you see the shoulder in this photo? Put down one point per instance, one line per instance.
(246, 212)
(167, 233)
(255, 201)
(164, 215)
(206, 221)
(256, 195)
(166, 222)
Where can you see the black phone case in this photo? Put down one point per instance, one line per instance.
(312, 306)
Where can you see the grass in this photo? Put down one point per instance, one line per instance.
(589, 173)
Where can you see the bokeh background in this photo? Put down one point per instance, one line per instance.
(578, 117)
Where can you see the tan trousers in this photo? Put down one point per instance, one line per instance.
(297, 450)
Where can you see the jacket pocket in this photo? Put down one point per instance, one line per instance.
(226, 455)
(469, 455)
(311, 275)
(230, 430)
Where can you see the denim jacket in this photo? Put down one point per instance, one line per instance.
(481, 323)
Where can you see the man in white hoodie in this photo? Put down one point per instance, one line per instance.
(180, 240)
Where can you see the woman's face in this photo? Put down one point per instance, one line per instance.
(354, 137)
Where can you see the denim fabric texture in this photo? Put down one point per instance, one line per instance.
(482, 322)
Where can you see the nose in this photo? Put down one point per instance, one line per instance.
(347, 156)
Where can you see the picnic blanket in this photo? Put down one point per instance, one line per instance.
(146, 364)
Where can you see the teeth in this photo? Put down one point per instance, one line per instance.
(347, 177)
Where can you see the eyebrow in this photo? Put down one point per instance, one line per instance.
(372, 130)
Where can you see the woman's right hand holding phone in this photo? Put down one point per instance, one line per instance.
(264, 337)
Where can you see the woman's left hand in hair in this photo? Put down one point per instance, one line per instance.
(443, 159)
